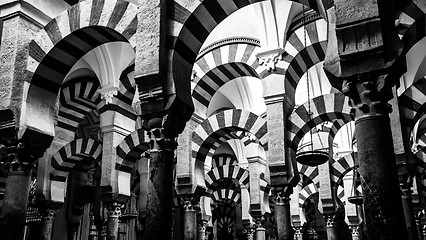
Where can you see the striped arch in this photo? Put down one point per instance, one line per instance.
(227, 171)
(420, 157)
(306, 193)
(213, 80)
(221, 160)
(301, 63)
(231, 50)
(226, 194)
(129, 150)
(335, 127)
(208, 136)
(412, 104)
(62, 42)
(191, 25)
(323, 108)
(340, 167)
(77, 151)
(308, 174)
(77, 99)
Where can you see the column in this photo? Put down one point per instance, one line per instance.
(282, 214)
(47, 219)
(330, 227)
(15, 202)
(419, 225)
(249, 231)
(114, 212)
(260, 230)
(384, 215)
(160, 184)
(405, 183)
(356, 235)
(189, 219)
(201, 230)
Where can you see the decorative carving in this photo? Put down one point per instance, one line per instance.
(18, 157)
(281, 196)
(270, 58)
(108, 93)
(330, 221)
(114, 210)
(355, 231)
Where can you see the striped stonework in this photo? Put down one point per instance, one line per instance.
(306, 193)
(411, 104)
(416, 31)
(308, 174)
(221, 160)
(208, 136)
(226, 172)
(81, 150)
(130, 150)
(301, 63)
(323, 108)
(2, 189)
(420, 157)
(226, 194)
(304, 53)
(65, 40)
(340, 167)
(191, 24)
(78, 98)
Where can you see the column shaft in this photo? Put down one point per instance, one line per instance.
(114, 212)
(15, 202)
(331, 228)
(383, 209)
(48, 217)
(160, 187)
(407, 204)
(282, 216)
(189, 222)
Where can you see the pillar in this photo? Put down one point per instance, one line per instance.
(201, 230)
(113, 212)
(47, 213)
(189, 219)
(419, 225)
(406, 182)
(260, 230)
(160, 185)
(282, 214)
(15, 202)
(356, 235)
(249, 231)
(384, 215)
(330, 227)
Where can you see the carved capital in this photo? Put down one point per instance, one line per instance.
(355, 231)
(369, 94)
(330, 221)
(114, 210)
(108, 93)
(282, 196)
(19, 157)
(270, 58)
(201, 226)
(160, 140)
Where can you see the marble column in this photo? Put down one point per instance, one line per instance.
(114, 212)
(189, 220)
(201, 230)
(21, 161)
(160, 185)
(384, 215)
(282, 214)
(47, 219)
(330, 227)
(356, 234)
(260, 230)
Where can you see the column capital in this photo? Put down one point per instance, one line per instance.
(330, 222)
(270, 58)
(18, 156)
(282, 195)
(114, 209)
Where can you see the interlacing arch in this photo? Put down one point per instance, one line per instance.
(306, 193)
(191, 24)
(215, 130)
(304, 53)
(65, 40)
(323, 108)
(227, 171)
(227, 194)
(221, 160)
(412, 104)
(129, 150)
(79, 151)
(78, 97)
